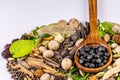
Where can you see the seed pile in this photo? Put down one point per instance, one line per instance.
(93, 56)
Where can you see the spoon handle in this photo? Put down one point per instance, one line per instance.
(93, 17)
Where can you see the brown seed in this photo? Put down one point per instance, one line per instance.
(38, 73)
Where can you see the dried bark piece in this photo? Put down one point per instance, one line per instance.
(116, 38)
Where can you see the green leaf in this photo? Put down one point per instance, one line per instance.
(73, 70)
(86, 76)
(22, 48)
(35, 33)
(45, 35)
(118, 78)
(105, 27)
(111, 42)
(76, 77)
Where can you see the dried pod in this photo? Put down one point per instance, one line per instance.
(78, 41)
(100, 74)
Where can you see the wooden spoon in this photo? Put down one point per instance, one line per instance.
(93, 39)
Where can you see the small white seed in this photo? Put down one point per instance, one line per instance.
(59, 38)
(45, 77)
(48, 53)
(114, 45)
(42, 49)
(69, 78)
(106, 37)
(66, 63)
(52, 77)
(53, 45)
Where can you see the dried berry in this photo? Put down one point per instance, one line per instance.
(38, 73)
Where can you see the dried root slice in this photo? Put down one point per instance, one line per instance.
(20, 68)
(38, 64)
(111, 72)
(51, 62)
(117, 63)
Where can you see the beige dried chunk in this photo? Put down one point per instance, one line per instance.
(117, 63)
(111, 72)
(62, 23)
(106, 37)
(74, 23)
(21, 69)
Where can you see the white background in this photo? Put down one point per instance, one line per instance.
(19, 16)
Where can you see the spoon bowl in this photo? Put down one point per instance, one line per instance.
(93, 39)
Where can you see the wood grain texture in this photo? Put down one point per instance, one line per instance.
(93, 39)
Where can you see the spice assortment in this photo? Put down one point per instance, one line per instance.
(47, 52)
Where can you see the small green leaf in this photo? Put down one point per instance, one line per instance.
(111, 42)
(45, 35)
(22, 48)
(73, 70)
(76, 77)
(35, 33)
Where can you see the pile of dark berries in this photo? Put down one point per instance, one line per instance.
(93, 56)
